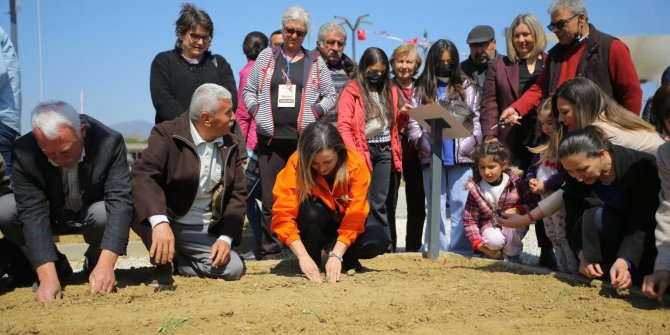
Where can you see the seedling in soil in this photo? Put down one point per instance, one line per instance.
(172, 325)
(313, 312)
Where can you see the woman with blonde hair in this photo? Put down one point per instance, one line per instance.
(320, 203)
(507, 79)
(405, 62)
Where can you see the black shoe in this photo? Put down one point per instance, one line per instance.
(547, 258)
(162, 278)
(4, 257)
(63, 268)
(351, 264)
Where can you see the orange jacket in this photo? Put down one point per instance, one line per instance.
(351, 200)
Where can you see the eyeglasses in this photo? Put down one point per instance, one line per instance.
(197, 38)
(333, 42)
(560, 24)
(291, 31)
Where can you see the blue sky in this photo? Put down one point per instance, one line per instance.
(105, 48)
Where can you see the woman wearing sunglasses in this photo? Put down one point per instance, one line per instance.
(175, 74)
(288, 88)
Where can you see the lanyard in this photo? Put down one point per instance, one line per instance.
(287, 73)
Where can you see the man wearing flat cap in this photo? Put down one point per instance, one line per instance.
(482, 42)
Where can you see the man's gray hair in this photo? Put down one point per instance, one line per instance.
(575, 6)
(334, 27)
(206, 99)
(50, 116)
(295, 13)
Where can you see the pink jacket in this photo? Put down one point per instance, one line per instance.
(246, 122)
(351, 123)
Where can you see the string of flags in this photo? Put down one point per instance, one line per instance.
(361, 35)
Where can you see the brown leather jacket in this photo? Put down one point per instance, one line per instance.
(165, 179)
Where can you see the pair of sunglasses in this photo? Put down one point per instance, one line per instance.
(291, 31)
(560, 23)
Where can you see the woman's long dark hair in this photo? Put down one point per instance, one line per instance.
(253, 44)
(370, 57)
(316, 137)
(426, 84)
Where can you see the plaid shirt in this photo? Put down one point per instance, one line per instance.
(479, 212)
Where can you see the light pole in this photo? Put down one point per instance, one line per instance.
(353, 28)
(12, 19)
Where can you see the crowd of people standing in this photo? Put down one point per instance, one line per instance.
(323, 141)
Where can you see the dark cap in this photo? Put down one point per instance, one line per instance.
(480, 34)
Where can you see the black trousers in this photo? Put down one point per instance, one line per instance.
(318, 231)
(271, 159)
(391, 204)
(416, 204)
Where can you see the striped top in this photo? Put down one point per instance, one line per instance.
(318, 96)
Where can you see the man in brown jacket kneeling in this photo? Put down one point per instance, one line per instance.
(190, 191)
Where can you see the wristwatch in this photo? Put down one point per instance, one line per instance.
(339, 258)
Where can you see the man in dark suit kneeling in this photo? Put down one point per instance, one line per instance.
(70, 176)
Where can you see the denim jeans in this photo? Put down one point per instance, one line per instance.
(452, 189)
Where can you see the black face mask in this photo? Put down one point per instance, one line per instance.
(444, 70)
(374, 78)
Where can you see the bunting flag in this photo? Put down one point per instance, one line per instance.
(413, 41)
(361, 35)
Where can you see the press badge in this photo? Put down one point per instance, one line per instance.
(286, 96)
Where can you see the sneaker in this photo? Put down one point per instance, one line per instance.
(514, 259)
(250, 256)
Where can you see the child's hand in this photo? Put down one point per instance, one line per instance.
(536, 186)
(511, 211)
(495, 254)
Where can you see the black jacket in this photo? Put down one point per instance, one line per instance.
(103, 176)
(638, 182)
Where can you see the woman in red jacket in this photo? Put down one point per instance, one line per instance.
(320, 202)
(368, 117)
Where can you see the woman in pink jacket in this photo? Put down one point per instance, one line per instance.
(368, 117)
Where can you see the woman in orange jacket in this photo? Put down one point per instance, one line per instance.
(320, 202)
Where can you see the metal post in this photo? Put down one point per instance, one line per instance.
(353, 28)
(12, 19)
(433, 227)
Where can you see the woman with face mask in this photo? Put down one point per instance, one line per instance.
(368, 117)
(442, 81)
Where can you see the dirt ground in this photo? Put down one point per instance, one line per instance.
(399, 293)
